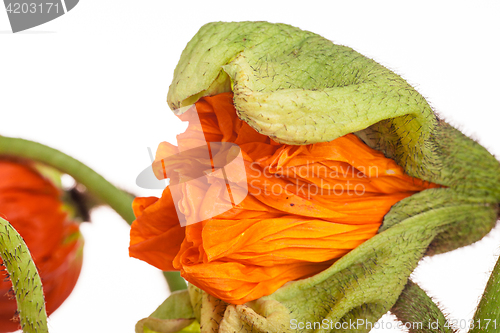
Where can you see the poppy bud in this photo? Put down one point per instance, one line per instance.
(299, 90)
(32, 204)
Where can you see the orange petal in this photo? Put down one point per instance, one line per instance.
(156, 235)
(307, 206)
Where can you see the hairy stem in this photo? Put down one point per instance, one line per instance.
(26, 282)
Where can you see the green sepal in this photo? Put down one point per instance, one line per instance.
(471, 176)
(196, 298)
(418, 312)
(175, 314)
(300, 88)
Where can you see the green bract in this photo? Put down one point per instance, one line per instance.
(300, 88)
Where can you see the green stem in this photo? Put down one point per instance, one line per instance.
(487, 317)
(175, 281)
(117, 199)
(26, 282)
(106, 192)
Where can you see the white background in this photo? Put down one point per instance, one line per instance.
(93, 83)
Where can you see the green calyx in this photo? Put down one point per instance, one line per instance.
(300, 88)
(25, 280)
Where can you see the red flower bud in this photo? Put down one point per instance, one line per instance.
(31, 203)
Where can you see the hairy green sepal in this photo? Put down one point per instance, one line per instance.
(298, 87)
(419, 313)
(174, 315)
(25, 280)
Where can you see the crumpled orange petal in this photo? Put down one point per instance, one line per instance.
(159, 235)
(307, 206)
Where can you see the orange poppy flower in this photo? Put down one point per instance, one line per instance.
(306, 207)
(31, 203)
